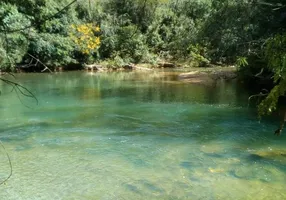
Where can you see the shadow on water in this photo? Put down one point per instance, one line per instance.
(275, 158)
(149, 188)
(22, 131)
(255, 167)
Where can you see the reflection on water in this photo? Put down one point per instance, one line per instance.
(136, 136)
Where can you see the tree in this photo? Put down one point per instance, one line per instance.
(275, 55)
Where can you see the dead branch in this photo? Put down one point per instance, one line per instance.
(38, 61)
(258, 74)
(263, 93)
(257, 95)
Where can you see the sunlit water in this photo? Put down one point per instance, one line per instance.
(136, 136)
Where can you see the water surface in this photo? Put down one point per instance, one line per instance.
(136, 136)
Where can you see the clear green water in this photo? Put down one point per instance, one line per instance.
(136, 136)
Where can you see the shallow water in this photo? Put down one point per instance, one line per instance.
(136, 136)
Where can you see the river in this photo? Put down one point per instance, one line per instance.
(136, 136)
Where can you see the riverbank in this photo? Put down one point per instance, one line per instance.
(184, 72)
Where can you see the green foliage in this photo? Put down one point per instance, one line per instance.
(275, 54)
(13, 46)
(127, 42)
(241, 62)
(198, 55)
(138, 12)
(3, 56)
(197, 10)
(131, 44)
(269, 104)
(134, 29)
(10, 17)
(52, 49)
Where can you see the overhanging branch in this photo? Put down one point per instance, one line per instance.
(19, 88)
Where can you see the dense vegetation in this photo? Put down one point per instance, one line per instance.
(247, 33)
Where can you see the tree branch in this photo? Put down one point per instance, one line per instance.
(263, 93)
(10, 164)
(280, 129)
(39, 61)
(19, 88)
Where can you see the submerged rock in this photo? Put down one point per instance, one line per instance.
(266, 166)
(279, 155)
(255, 172)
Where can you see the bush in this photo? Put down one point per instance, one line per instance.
(52, 49)
(13, 46)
